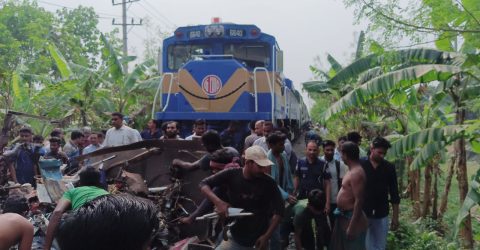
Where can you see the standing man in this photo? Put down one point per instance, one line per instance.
(170, 131)
(356, 138)
(262, 141)
(73, 148)
(94, 144)
(351, 223)
(253, 191)
(257, 132)
(266, 130)
(87, 131)
(381, 182)
(23, 156)
(312, 135)
(120, 134)
(338, 150)
(56, 132)
(312, 173)
(234, 135)
(280, 172)
(199, 127)
(280, 169)
(337, 170)
(101, 137)
(152, 132)
(55, 150)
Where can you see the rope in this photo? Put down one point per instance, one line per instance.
(215, 98)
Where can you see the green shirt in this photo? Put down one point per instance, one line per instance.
(81, 195)
(302, 218)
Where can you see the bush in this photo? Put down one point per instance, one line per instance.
(417, 237)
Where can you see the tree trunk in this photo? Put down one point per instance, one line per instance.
(414, 188)
(436, 170)
(427, 186)
(416, 193)
(446, 190)
(461, 154)
(83, 115)
(5, 132)
(400, 166)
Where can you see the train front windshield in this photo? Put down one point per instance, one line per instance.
(250, 54)
(253, 55)
(180, 54)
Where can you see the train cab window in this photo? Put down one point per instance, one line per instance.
(178, 55)
(252, 55)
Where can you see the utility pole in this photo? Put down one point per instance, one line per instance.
(124, 29)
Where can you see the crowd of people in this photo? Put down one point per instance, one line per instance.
(340, 200)
(345, 193)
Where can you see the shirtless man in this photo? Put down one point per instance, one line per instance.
(350, 231)
(14, 229)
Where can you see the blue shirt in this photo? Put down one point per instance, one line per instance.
(90, 148)
(146, 135)
(311, 176)
(26, 158)
(287, 182)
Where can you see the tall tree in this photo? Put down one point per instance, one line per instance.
(77, 35)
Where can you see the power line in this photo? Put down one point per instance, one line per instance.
(71, 8)
(160, 14)
(154, 15)
(124, 25)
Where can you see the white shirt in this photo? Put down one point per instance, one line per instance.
(190, 137)
(332, 169)
(122, 136)
(90, 148)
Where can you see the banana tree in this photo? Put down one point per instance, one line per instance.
(122, 85)
(379, 76)
(93, 93)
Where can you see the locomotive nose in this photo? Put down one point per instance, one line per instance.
(216, 85)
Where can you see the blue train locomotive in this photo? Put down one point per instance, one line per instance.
(225, 72)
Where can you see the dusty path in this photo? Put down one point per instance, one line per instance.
(299, 146)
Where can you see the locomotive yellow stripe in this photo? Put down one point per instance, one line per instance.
(240, 76)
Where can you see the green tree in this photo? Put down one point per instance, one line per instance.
(24, 30)
(77, 35)
(392, 85)
(452, 25)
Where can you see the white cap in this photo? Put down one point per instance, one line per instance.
(258, 155)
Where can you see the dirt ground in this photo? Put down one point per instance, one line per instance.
(299, 146)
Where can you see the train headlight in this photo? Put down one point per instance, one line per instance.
(214, 31)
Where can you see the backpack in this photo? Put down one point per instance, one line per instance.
(339, 179)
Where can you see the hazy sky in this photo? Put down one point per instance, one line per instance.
(303, 28)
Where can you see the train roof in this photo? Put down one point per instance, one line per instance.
(219, 31)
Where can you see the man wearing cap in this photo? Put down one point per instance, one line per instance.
(253, 191)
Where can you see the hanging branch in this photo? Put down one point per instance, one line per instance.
(420, 28)
(469, 13)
